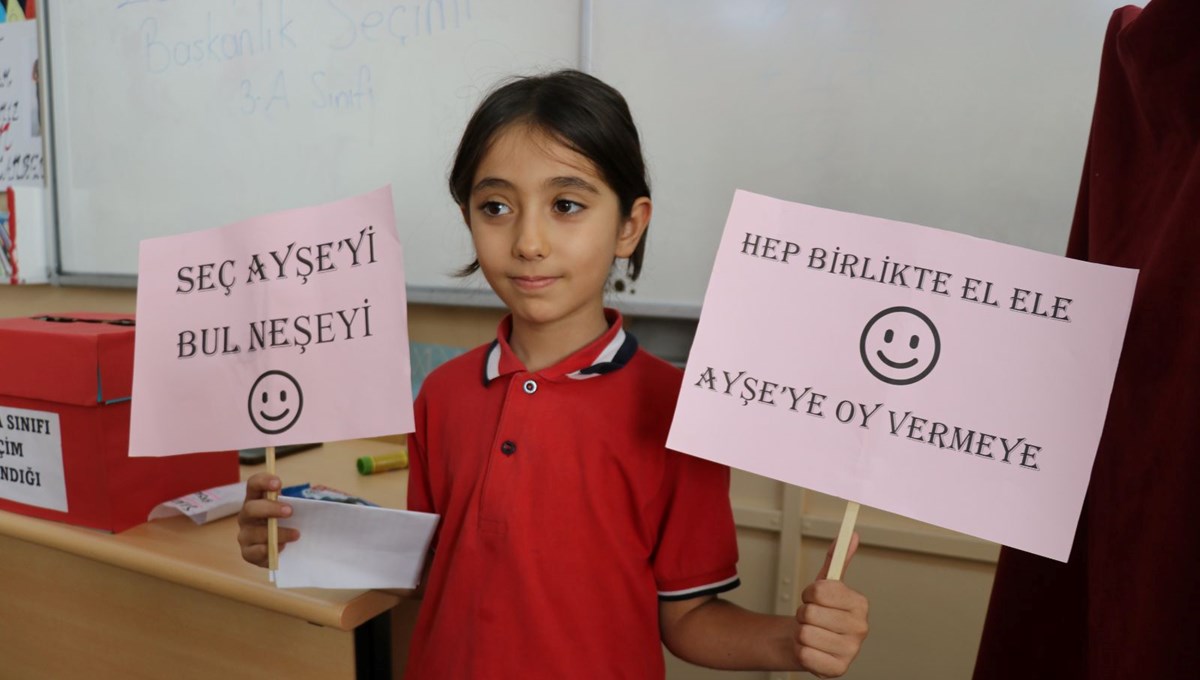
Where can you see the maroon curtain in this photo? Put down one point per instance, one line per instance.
(1127, 604)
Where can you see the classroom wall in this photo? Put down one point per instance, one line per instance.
(928, 587)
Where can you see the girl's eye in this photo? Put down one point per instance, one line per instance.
(495, 209)
(566, 207)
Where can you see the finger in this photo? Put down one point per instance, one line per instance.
(255, 554)
(256, 534)
(821, 664)
(259, 511)
(815, 637)
(835, 595)
(253, 543)
(837, 621)
(824, 572)
(258, 554)
(259, 484)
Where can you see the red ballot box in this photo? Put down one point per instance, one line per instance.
(65, 385)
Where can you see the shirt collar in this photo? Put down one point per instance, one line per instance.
(605, 354)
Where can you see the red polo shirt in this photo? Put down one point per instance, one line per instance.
(564, 517)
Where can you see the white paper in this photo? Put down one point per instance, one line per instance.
(204, 506)
(31, 458)
(353, 546)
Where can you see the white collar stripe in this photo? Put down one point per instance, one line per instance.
(615, 354)
(611, 350)
(491, 369)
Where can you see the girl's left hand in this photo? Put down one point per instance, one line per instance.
(832, 623)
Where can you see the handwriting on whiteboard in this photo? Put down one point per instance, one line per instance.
(243, 37)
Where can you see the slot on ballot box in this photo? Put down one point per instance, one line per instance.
(65, 386)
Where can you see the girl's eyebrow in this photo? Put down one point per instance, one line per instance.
(573, 183)
(491, 183)
(566, 182)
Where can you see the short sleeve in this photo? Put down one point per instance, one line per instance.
(420, 489)
(420, 492)
(696, 552)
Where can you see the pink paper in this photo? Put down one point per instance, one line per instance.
(793, 305)
(282, 329)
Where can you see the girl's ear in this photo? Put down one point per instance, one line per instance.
(634, 227)
(466, 214)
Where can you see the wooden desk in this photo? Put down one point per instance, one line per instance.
(169, 599)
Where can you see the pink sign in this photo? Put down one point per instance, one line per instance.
(936, 375)
(283, 329)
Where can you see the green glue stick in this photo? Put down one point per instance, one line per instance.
(369, 465)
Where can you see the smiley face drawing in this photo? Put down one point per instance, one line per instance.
(900, 345)
(275, 402)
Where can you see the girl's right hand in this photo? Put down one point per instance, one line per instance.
(252, 520)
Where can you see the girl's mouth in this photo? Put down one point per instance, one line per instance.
(533, 282)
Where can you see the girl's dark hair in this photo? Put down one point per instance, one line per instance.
(588, 116)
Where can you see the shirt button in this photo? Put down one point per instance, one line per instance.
(530, 387)
(508, 448)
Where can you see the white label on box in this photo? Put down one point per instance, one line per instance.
(31, 458)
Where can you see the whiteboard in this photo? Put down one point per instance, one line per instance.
(967, 116)
(171, 116)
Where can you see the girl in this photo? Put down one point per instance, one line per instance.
(572, 542)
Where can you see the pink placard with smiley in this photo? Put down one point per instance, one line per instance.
(939, 376)
(283, 329)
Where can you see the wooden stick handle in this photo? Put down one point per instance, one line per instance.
(272, 523)
(838, 564)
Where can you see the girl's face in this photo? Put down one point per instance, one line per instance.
(547, 228)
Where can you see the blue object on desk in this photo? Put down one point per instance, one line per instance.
(321, 492)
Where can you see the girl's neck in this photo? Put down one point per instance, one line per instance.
(542, 345)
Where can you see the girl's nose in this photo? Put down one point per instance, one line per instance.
(530, 242)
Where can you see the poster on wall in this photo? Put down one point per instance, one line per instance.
(20, 116)
(22, 227)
